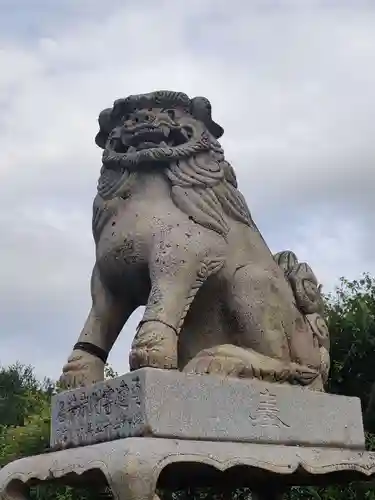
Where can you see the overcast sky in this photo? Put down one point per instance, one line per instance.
(291, 82)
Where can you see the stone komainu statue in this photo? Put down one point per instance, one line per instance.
(173, 233)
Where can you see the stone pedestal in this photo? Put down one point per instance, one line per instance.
(171, 404)
(170, 430)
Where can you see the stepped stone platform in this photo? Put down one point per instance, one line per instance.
(170, 404)
(153, 429)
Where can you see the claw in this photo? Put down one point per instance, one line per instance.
(82, 369)
(155, 345)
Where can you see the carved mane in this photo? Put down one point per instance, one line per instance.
(205, 188)
(202, 186)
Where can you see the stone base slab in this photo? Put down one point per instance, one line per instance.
(123, 462)
(171, 404)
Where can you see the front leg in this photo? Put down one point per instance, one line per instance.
(173, 288)
(107, 316)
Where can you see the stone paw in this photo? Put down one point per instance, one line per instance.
(155, 345)
(210, 364)
(81, 369)
(233, 361)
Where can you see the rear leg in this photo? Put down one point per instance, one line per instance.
(261, 318)
(105, 321)
(269, 324)
(262, 306)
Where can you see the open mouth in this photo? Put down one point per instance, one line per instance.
(148, 138)
(151, 137)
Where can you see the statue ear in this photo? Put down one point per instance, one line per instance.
(200, 108)
(105, 127)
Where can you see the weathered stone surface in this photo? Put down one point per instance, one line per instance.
(174, 233)
(171, 404)
(132, 466)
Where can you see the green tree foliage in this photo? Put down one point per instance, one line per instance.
(24, 413)
(351, 321)
(20, 394)
(350, 314)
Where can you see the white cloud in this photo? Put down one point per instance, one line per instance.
(292, 85)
